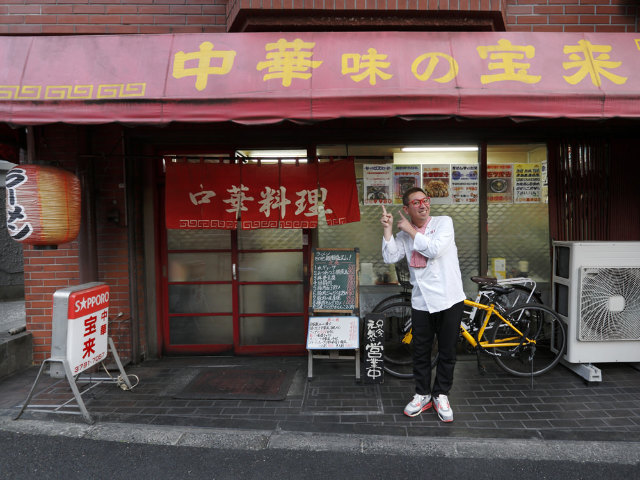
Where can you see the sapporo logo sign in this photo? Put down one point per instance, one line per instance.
(87, 332)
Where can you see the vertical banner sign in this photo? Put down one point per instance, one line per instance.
(435, 182)
(527, 182)
(404, 178)
(373, 348)
(87, 328)
(464, 183)
(378, 184)
(500, 183)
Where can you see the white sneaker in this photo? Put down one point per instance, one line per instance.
(419, 404)
(441, 405)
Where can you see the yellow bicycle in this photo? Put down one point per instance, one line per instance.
(507, 322)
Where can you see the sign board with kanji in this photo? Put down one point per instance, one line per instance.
(268, 77)
(374, 348)
(80, 326)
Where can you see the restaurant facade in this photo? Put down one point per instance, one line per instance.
(215, 154)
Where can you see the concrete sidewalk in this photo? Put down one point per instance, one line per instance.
(560, 407)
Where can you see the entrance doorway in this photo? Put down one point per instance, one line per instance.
(241, 291)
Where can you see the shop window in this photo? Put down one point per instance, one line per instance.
(518, 212)
(455, 197)
(516, 200)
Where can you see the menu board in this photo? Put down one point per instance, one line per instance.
(334, 281)
(333, 333)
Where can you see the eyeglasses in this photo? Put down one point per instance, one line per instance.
(423, 201)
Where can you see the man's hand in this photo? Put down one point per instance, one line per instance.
(387, 223)
(405, 225)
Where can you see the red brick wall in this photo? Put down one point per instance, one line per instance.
(52, 17)
(46, 271)
(68, 17)
(572, 16)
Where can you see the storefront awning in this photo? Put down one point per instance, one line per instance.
(269, 77)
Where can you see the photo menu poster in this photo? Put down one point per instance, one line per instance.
(464, 183)
(500, 183)
(527, 187)
(378, 184)
(404, 178)
(436, 183)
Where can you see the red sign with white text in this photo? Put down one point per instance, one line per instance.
(206, 195)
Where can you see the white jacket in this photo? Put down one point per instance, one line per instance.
(438, 286)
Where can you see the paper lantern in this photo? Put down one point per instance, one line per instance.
(43, 205)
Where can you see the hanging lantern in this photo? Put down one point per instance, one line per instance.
(43, 205)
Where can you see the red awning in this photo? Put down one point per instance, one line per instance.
(269, 77)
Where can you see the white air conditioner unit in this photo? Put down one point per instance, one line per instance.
(596, 290)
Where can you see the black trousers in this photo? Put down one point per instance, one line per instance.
(444, 326)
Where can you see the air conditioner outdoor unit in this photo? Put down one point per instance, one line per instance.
(596, 290)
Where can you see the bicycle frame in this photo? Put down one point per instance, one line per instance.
(518, 338)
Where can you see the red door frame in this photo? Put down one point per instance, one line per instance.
(162, 286)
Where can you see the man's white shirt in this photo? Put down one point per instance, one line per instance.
(438, 286)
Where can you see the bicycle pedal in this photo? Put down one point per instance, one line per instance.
(482, 369)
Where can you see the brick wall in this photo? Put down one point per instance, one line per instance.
(572, 16)
(65, 17)
(46, 271)
(68, 17)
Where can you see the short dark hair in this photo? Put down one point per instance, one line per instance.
(412, 190)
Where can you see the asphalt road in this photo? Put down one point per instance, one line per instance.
(29, 456)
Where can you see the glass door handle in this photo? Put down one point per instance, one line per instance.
(233, 271)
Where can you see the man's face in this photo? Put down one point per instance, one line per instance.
(418, 208)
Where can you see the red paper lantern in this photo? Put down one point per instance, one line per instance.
(43, 205)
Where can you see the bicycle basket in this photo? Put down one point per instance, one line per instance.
(402, 272)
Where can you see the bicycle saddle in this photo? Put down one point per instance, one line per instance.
(491, 283)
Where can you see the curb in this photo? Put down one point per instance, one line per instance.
(620, 453)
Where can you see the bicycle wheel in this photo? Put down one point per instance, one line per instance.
(398, 354)
(398, 297)
(541, 347)
(519, 294)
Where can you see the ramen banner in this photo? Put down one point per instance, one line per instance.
(217, 196)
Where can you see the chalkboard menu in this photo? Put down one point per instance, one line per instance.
(334, 281)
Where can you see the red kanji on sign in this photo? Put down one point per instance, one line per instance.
(89, 347)
(90, 326)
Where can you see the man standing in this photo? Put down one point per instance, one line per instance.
(437, 297)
